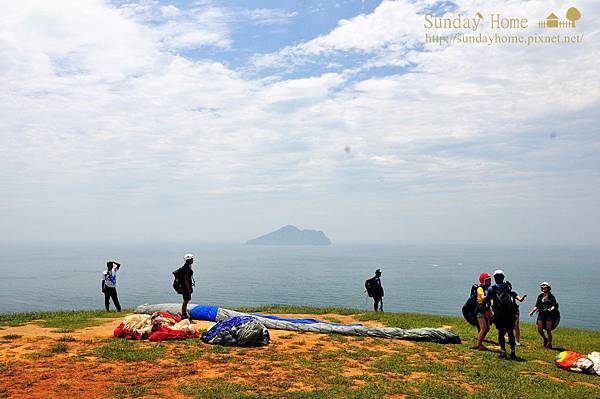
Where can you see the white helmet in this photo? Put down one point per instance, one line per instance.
(188, 256)
(499, 272)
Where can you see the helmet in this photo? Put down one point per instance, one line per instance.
(546, 284)
(483, 277)
(188, 257)
(499, 272)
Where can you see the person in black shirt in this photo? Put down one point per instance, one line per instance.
(547, 309)
(375, 290)
(504, 306)
(187, 283)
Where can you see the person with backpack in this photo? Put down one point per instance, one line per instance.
(548, 314)
(482, 310)
(504, 307)
(184, 282)
(109, 284)
(375, 290)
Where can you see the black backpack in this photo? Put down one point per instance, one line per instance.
(469, 309)
(504, 302)
(178, 281)
(370, 286)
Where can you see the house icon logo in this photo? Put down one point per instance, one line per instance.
(552, 21)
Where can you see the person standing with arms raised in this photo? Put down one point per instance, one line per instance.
(109, 284)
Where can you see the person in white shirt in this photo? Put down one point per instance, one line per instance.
(109, 284)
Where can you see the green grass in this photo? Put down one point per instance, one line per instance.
(218, 389)
(187, 351)
(446, 371)
(489, 376)
(60, 347)
(62, 321)
(130, 351)
(55, 349)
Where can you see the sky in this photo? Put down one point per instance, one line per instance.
(219, 121)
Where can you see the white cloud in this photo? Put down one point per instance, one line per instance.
(391, 23)
(98, 111)
(270, 16)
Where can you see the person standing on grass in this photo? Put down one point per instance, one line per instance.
(483, 310)
(375, 290)
(109, 284)
(517, 323)
(547, 309)
(184, 274)
(504, 307)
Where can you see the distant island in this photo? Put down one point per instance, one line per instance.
(291, 235)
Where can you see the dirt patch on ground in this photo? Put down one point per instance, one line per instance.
(38, 362)
(540, 362)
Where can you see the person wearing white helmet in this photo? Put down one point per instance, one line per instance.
(505, 308)
(548, 314)
(185, 282)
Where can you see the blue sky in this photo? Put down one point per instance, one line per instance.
(223, 120)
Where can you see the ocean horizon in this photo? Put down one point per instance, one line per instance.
(419, 278)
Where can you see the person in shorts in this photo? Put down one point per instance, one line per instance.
(483, 310)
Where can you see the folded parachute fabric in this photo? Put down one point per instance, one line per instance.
(159, 326)
(595, 358)
(578, 362)
(212, 313)
(137, 326)
(237, 331)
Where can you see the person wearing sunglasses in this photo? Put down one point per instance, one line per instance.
(547, 309)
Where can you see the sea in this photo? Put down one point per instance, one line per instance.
(433, 279)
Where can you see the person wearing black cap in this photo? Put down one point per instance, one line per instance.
(375, 290)
(109, 284)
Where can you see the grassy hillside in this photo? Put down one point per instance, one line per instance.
(295, 365)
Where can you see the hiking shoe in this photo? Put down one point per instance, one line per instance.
(513, 355)
(519, 344)
(502, 355)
